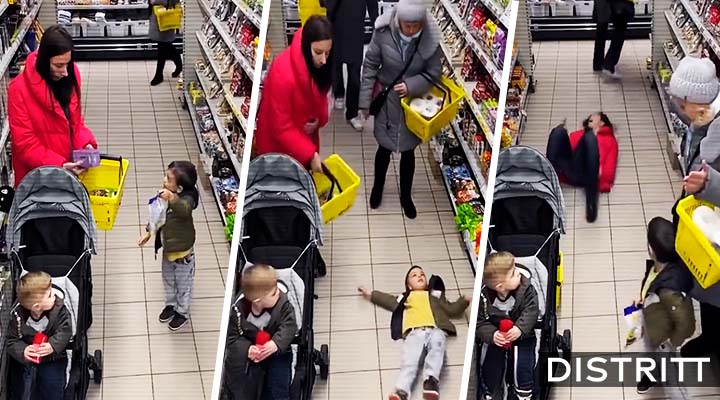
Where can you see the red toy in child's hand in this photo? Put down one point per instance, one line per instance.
(39, 339)
(262, 338)
(504, 327)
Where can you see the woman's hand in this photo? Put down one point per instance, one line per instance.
(316, 164)
(75, 167)
(696, 180)
(401, 89)
(311, 126)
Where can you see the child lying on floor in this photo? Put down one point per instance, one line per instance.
(421, 317)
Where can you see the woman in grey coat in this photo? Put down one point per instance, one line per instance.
(695, 88)
(408, 34)
(164, 40)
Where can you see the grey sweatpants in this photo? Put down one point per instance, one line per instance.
(428, 341)
(178, 277)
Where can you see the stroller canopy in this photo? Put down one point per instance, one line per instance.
(50, 192)
(522, 172)
(278, 180)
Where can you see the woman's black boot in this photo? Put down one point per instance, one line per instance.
(382, 162)
(407, 172)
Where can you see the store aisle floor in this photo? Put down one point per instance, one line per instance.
(143, 359)
(605, 261)
(376, 248)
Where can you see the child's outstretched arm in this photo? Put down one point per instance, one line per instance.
(457, 308)
(380, 299)
(529, 312)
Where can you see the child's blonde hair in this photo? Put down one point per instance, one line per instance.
(258, 280)
(497, 266)
(32, 288)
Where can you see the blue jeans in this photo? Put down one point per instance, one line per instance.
(45, 381)
(278, 377)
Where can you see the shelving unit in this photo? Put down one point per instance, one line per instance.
(122, 35)
(221, 62)
(572, 20)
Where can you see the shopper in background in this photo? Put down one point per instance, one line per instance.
(586, 158)
(348, 20)
(408, 36)
(44, 108)
(294, 103)
(695, 88)
(619, 12)
(164, 41)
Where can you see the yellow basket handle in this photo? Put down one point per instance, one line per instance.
(119, 159)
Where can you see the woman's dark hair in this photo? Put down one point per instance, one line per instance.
(318, 28)
(661, 239)
(57, 41)
(186, 176)
(603, 117)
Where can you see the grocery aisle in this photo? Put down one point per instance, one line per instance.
(605, 261)
(376, 248)
(143, 359)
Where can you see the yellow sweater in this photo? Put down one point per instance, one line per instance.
(418, 313)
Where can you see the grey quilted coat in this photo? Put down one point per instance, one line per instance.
(154, 32)
(383, 62)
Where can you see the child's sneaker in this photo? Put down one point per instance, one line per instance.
(644, 385)
(167, 314)
(177, 322)
(398, 395)
(431, 389)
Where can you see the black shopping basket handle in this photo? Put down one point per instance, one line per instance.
(119, 159)
(447, 93)
(333, 181)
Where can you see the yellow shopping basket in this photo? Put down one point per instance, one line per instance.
(108, 178)
(168, 19)
(425, 128)
(694, 248)
(338, 185)
(308, 8)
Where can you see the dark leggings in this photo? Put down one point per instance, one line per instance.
(166, 51)
(580, 167)
(407, 170)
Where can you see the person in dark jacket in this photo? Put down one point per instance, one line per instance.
(507, 294)
(260, 371)
(39, 310)
(177, 239)
(668, 315)
(619, 12)
(421, 318)
(348, 20)
(164, 41)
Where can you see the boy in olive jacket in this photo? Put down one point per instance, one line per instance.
(421, 317)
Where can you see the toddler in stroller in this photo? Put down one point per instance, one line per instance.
(421, 317)
(258, 362)
(507, 321)
(40, 330)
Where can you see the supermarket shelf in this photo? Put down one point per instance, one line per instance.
(3, 6)
(219, 126)
(19, 38)
(250, 14)
(583, 28)
(235, 103)
(674, 139)
(102, 6)
(472, 159)
(485, 59)
(118, 48)
(677, 33)
(502, 14)
(672, 60)
(707, 35)
(229, 42)
(210, 58)
(4, 134)
(207, 166)
(487, 130)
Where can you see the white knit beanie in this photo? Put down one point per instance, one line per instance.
(411, 10)
(695, 81)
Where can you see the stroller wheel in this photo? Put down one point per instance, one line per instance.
(97, 367)
(566, 344)
(324, 362)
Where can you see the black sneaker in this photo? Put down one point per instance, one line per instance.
(167, 314)
(177, 322)
(398, 395)
(431, 389)
(645, 385)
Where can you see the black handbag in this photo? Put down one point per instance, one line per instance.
(380, 99)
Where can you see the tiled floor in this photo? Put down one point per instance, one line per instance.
(143, 359)
(376, 248)
(604, 261)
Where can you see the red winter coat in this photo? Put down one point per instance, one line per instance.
(608, 149)
(290, 98)
(39, 130)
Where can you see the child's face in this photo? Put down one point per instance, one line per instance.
(417, 280)
(267, 301)
(170, 183)
(510, 282)
(46, 302)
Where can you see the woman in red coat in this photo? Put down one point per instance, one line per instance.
(294, 102)
(586, 158)
(44, 108)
